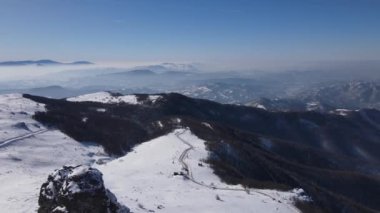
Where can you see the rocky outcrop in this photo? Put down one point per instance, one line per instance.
(77, 189)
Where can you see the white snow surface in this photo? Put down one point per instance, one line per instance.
(106, 97)
(154, 98)
(207, 125)
(342, 112)
(144, 180)
(29, 155)
(15, 116)
(260, 106)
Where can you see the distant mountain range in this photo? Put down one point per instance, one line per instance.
(143, 72)
(44, 62)
(148, 72)
(350, 95)
(164, 67)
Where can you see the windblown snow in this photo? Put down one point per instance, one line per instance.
(166, 174)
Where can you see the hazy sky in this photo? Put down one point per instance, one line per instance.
(208, 31)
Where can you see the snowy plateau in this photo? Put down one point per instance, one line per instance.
(166, 174)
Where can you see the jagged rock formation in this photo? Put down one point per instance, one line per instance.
(77, 189)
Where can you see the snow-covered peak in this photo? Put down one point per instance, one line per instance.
(106, 97)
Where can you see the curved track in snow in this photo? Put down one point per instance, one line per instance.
(190, 176)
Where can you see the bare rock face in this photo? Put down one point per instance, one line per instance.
(76, 190)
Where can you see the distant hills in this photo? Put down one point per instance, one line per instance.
(142, 72)
(165, 67)
(44, 62)
(148, 72)
(351, 95)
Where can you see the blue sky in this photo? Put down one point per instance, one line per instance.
(208, 31)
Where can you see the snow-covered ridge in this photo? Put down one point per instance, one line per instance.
(168, 174)
(106, 97)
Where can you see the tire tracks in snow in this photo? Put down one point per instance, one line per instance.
(21, 137)
(189, 175)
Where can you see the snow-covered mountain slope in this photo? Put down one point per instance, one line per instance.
(106, 97)
(15, 116)
(333, 158)
(168, 174)
(28, 152)
(143, 180)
